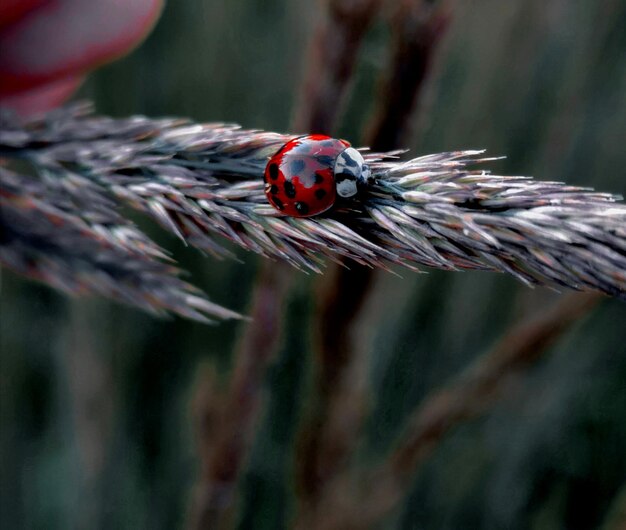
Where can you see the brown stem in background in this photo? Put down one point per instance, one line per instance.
(92, 394)
(228, 424)
(334, 425)
(225, 443)
(616, 516)
(357, 506)
(482, 383)
(330, 63)
(417, 29)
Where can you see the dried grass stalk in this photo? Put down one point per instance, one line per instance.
(75, 241)
(199, 181)
(362, 500)
(331, 433)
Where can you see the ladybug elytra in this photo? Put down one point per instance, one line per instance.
(307, 173)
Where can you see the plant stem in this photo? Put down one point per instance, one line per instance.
(333, 50)
(330, 61)
(471, 394)
(419, 26)
(616, 516)
(227, 440)
(340, 387)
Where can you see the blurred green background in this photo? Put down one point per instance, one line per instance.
(95, 398)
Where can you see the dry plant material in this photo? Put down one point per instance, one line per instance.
(332, 431)
(330, 62)
(329, 67)
(77, 242)
(352, 502)
(205, 180)
(418, 28)
(616, 516)
(229, 419)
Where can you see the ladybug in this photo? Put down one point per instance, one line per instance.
(307, 173)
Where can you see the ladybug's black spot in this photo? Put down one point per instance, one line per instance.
(320, 194)
(273, 171)
(349, 161)
(319, 178)
(340, 177)
(273, 189)
(302, 207)
(278, 203)
(290, 189)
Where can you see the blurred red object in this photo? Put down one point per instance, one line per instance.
(48, 46)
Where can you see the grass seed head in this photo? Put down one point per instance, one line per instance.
(203, 182)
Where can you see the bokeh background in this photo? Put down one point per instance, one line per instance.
(97, 399)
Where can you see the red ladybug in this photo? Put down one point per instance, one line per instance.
(307, 173)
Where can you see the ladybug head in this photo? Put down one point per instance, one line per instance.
(350, 170)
